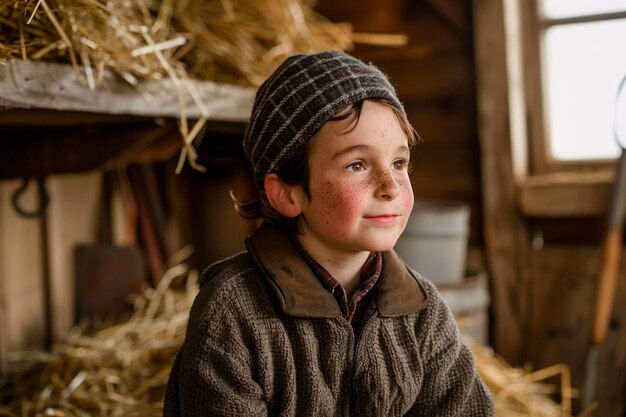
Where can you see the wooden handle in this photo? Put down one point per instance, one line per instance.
(611, 251)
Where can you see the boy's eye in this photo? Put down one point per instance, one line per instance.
(401, 164)
(356, 166)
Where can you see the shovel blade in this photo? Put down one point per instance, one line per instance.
(106, 275)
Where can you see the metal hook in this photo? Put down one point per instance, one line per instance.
(44, 199)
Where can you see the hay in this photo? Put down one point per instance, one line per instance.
(520, 393)
(121, 370)
(95, 36)
(242, 41)
(232, 41)
(90, 35)
(237, 41)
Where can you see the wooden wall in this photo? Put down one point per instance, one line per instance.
(36, 266)
(561, 296)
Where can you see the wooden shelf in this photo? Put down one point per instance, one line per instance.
(579, 194)
(51, 123)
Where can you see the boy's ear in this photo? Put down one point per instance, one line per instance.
(284, 198)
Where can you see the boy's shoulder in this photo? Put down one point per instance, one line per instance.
(431, 291)
(429, 288)
(230, 285)
(227, 269)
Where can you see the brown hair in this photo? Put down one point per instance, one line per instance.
(296, 171)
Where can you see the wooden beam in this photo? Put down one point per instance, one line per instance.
(580, 194)
(27, 118)
(506, 234)
(41, 152)
(3, 330)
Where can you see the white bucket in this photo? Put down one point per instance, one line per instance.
(469, 303)
(435, 240)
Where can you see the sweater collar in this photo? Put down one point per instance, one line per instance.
(300, 292)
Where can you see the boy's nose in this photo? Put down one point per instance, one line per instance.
(387, 186)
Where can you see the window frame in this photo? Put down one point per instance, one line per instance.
(533, 26)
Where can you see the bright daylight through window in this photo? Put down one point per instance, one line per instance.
(583, 62)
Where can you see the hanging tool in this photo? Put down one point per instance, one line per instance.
(107, 273)
(44, 199)
(151, 219)
(41, 212)
(611, 251)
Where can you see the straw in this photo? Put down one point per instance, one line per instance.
(230, 41)
(520, 393)
(120, 370)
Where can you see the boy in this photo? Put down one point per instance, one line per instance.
(320, 317)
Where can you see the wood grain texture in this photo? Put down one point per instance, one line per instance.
(564, 282)
(506, 234)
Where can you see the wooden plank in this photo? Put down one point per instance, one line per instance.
(21, 290)
(564, 283)
(72, 219)
(442, 78)
(37, 152)
(579, 194)
(506, 235)
(441, 123)
(212, 210)
(55, 118)
(49, 85)
(3, 342)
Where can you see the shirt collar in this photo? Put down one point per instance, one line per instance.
(301, 293)
(370, 271)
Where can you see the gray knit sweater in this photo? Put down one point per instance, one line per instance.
(265, 338)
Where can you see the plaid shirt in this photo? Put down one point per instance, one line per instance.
(351, 310)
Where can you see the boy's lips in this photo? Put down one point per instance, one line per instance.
(383, 218)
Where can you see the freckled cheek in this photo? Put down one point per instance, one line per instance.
(339, 203)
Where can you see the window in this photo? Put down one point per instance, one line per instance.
(574, 60)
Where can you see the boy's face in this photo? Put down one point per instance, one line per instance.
(360, 193)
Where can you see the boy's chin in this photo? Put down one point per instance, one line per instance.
(383, 246)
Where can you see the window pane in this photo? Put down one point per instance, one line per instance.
(584, 65)
(570, 8)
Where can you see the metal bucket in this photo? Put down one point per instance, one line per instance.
(435, 240)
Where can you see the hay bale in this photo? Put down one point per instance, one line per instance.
(237, 41)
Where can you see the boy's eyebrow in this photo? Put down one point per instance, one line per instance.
(362, 147)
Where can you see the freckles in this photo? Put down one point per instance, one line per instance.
(382, 181)
(339, 200)
(386, 182)
(328, 202)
